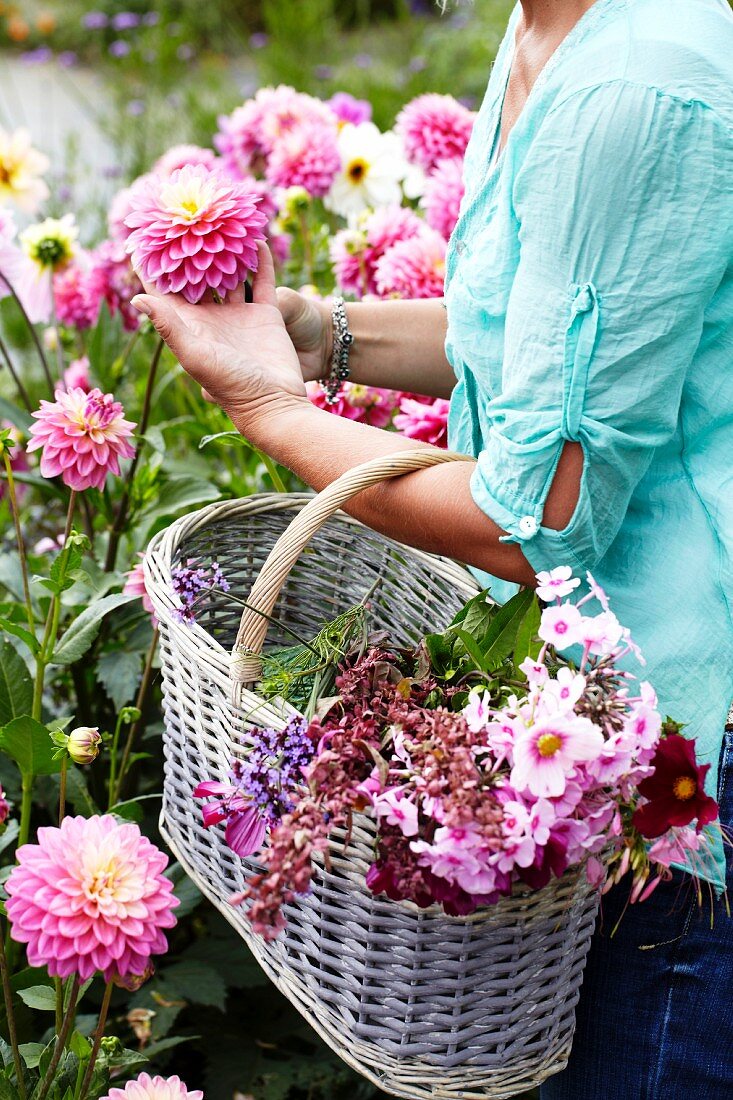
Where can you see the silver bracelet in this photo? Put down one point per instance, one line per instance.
(342, 341)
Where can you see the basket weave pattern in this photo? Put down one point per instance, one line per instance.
(423, 1004)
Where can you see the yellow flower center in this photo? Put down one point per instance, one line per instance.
(101, 884)
(548, 744)
(190, 206)
(684, 788)
(356, 170)
(6, 176)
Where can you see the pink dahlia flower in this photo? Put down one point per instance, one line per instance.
(91, 896)
(197, 230)
(76, 297)
(423, 420)
(348, 109)
(76, 375)
(82, 436)
(247, 136)
(146, 1087)
(365, 404)
(307, 157)
(441, 199)
(413, 268)
(178, 156)
(355, 253)
(112, 278)
(135, 586)
(434, 128)
(121, 206)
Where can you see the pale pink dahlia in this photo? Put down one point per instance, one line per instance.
(441, 199)
(307, 157)
(247, 136)
(413, 268)
(121, 206)
(365, 404)
(180, 155)
(355, 252)
(82, 436)
(146, 1087)
(433, 128)
(91, 896)
(195, 231)
(424, 420)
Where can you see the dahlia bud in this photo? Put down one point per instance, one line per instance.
(83, 744)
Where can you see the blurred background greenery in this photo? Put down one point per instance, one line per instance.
(105, 87)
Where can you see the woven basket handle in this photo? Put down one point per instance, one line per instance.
(246, 664)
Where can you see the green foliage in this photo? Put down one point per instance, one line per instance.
(16, 686)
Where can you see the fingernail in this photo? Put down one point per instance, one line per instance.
(141, 304)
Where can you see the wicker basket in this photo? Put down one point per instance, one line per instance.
(422, 1004)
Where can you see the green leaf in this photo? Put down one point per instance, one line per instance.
(471, 647)
(80, 1046)
(527, 643)
(84, 629)
(40, 997)
(9, 834)
(230, 436)
(77, 793)
(65, 568)
(119, 673)
(104, 343)
(31, 1054)
(29, 743)
(16, 685)
(196, 983)
(128, 811)
(185, 890)
(502, 635)
(20, 632)
(167, 1044)
(16, 416)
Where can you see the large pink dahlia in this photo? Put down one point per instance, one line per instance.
(307, 157)
(355, 252)
(248, 136)
(83, 436)
(433, 128)
(425, 420)
(414, 268)
(146, 1087)
(441, 199)
(91, 896)
(193, 231)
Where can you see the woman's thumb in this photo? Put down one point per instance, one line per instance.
(164, 318)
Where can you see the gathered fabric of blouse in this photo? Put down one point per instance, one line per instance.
(589, 292)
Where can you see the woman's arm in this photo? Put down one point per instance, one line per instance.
(398, 345)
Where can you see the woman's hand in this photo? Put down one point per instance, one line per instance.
(310, 327)
(240, 353)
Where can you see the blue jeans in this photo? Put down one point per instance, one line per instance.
(655, 1018)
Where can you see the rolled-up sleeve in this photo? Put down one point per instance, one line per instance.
(624, 223)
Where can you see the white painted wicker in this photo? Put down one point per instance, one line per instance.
(422, 1004)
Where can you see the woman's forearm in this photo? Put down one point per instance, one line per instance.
(431, 509)
(399, 345)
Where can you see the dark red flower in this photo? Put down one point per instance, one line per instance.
(676, 790)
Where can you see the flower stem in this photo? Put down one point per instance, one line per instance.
(121, 516)
(59, 345)
(51, 628)
(113, 761)
(272, 470)
(10, 1016)
(32, 330)
(22, 392)
(98, 1033)
(60, 1043)
(62, 789)
(25, 809)
(307, 247)
(12, 496)
(139, 703)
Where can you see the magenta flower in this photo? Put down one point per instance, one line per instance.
(4, 807)
(82, 436)
(307, 157)
(91, 896)
(178, 156)
(441, 199)
(77, 303)
(112, 279)
(365, 404)
(348, 109)
(414, 268)
(434, 128)
(76, 375)
(146, 1087)
(248, 136)
(424, 420)
(245, 827)
(355, 253)
(194, 231)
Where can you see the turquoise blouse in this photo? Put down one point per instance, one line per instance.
(589, 291)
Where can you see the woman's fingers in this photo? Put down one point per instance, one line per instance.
(263, 281)
(170, 326)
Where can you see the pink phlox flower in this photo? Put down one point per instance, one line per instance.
(441, 199)
(369, 787)
(519, 842)
(565, 804)
(477, 710)
(602, 822)
(82, 436)
(675, 845)
(245, 827)
(91, 896)
(460, 856)
(146, 1087)
(399, 748)
(574, 835)
(546, 753)
(424, 420)
(562, 693)
(556, 583)
(613, 762)
(413, 268)
(398, 810)
(644, 725)
(500, 737)
(597, 592)
(307, 157)
(178, 156)
(433, 808)
(433, 128)
(561, 625)
(600, 633)
(535, 671)
(595, 872)
(194, 231)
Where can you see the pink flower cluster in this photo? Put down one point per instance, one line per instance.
(434, 128)
(104, 275)
(365, 404)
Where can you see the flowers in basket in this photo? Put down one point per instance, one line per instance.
(504, 751)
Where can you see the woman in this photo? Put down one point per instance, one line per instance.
(586, 346)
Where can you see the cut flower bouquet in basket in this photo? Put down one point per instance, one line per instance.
(413, 835)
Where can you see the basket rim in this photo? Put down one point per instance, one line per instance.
(158, 564)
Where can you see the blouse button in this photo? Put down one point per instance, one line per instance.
(460, 247)
(528, 526)
(583, 300)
